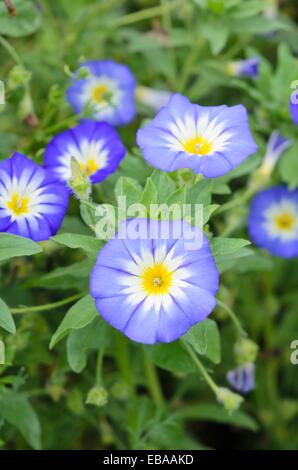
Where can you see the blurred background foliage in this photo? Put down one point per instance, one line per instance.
(69, 397)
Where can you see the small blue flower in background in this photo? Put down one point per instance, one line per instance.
(109, 90)
(32, 203)
(211, 140)
(95, 145)
(276, 145)
(273, 221)
(152, 288)
(245, 68)
(294, 110)
(242, 378)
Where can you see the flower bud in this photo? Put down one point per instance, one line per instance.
(79, 181)
(244, 68)
(155, 99)
(242, 378)
(245, 351)
(97, 396)
(230, 400)
(18, 76)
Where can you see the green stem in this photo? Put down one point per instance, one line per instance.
(200, 367)
(98, 374)
(124, 363)
(44, 308)
(15, 56)
(188, 65)
(144, 14)
(153, 382)
(12, 52)
(236, 201)
(233, 317)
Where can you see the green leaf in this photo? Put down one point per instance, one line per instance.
(208, 211)
(16, 409)
(177, 197)
(26, 21)
(72, 240)
(88, 214)
(288, 166)
(220, 188)
(149, 195)
(80, 342)
(217, 34)
(6, 319)
(200, 193)
(14, 245)
(72, 276)
(129, 188)
(226, 251)
(212, 412)
(254, 262)
(164, 184)
(227, 246)
(205, 339)
(78, 316)
(171, 356)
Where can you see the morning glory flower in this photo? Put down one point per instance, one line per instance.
(32, 203)
(211, 140)
(242, 378)
(245, 68)
(109, 90)
(273, 221)
(95, 145)
(151, 287)
(276, 145)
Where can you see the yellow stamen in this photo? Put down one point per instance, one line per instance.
(18, 205)
(98, 93)
(198, 145)
(90, 167)
(157, 279)
(285, 221)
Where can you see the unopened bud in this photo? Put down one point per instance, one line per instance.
(97, 396)
(79, 181)
(18, 76)
(245, 351)
(230, 400)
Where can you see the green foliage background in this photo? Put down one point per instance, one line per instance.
(69, 380)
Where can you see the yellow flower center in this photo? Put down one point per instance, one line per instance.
(157, 279)
(285, 221)
(98, 93)
(18, 205)
(198, 145)
(90, 167)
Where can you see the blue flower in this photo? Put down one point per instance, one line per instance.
(151, 287)
(32, 203)
(294, 110)
(95, 145)
(245, 68)
(276, 145)
(242, 378)
(209, 140)
(273, 221)
(109, 90)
